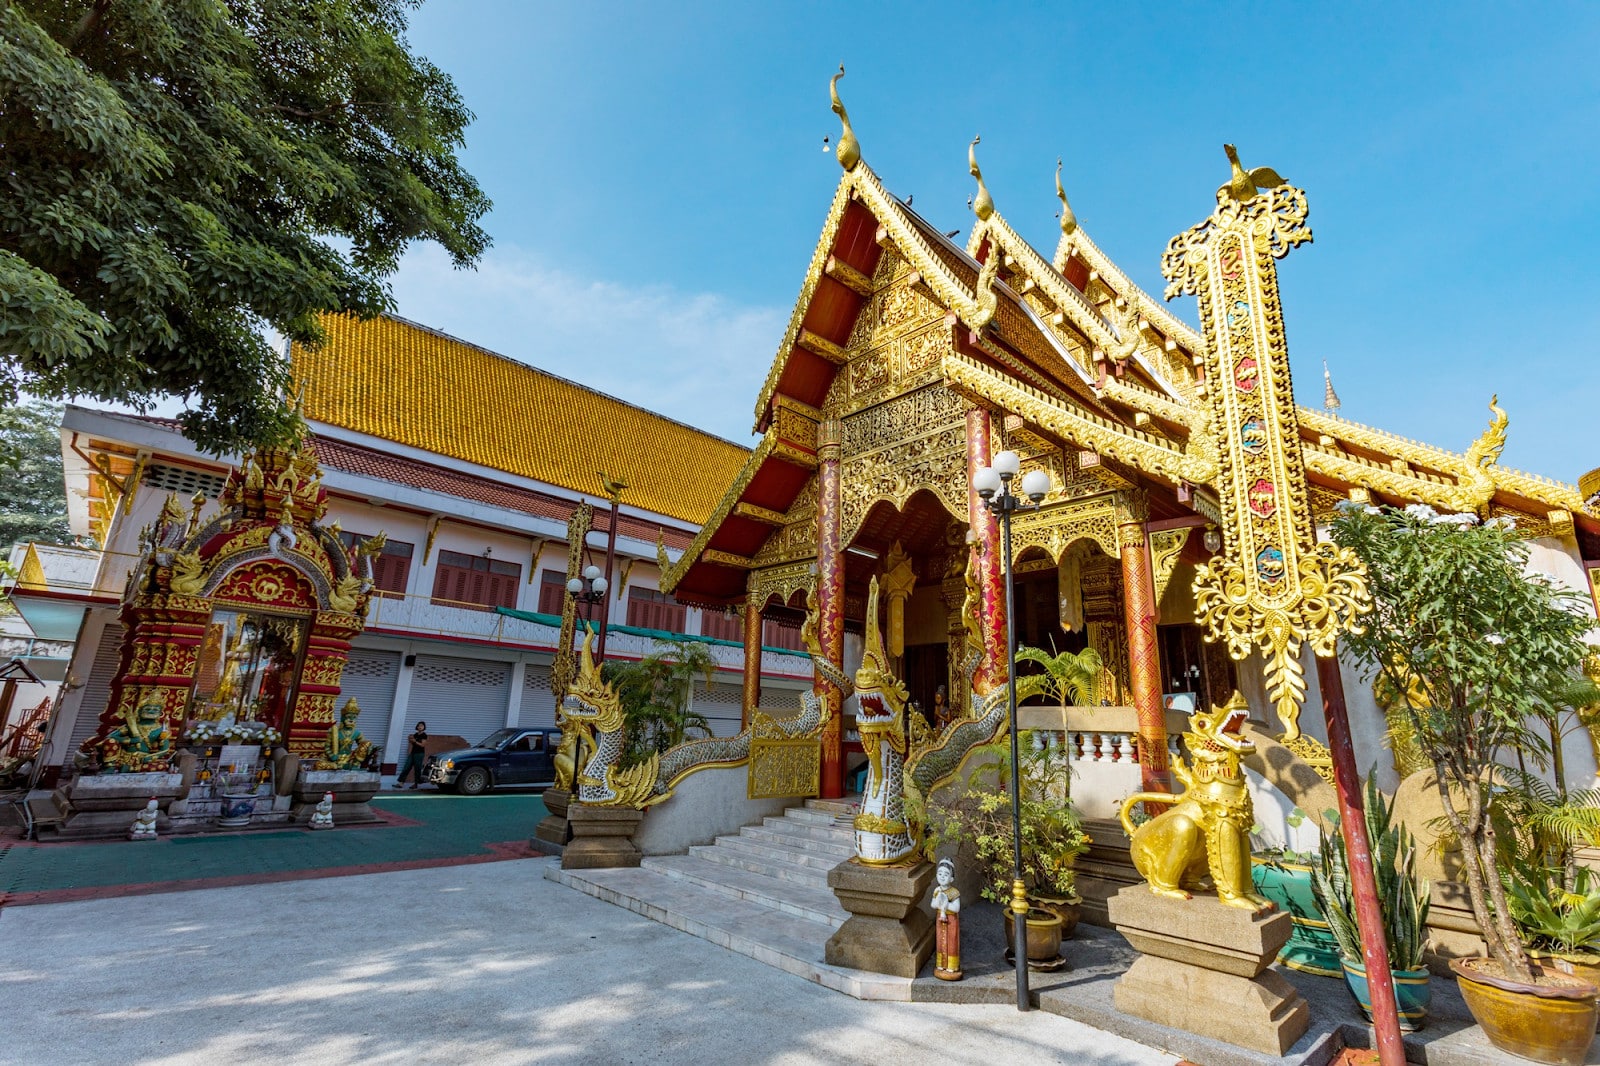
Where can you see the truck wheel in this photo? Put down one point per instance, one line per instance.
(474, 781)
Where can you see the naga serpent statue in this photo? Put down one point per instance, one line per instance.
(591, 702)
(883, 835)
(1207, 828)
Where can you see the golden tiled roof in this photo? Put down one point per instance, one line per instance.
(406, 383)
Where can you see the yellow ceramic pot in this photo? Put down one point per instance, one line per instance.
(1551, 1020)
(1044, 935)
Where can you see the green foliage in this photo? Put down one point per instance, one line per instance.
(1069, 678)
(1402, 895)
(1546, 822)
(1550, 915)
(181, 174)
(655, 695)
(33, 497)
(1477, 646)
(980, 817)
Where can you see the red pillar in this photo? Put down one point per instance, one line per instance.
(752, 661)
(984, 534)
(830, 603)
(1144, 656)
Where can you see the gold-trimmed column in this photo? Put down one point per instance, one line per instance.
(752, 660)
(984, 537)
(1144, 655)
(830, 602)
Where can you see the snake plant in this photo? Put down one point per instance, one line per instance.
(1402, 895)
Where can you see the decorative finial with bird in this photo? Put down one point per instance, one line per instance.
(1069, 221)
(982, 203)
(849, 151)
(614, 486)
(1243, 184)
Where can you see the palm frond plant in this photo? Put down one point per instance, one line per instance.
(1070, 679)
(655, 694)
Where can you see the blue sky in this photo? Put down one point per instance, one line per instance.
(659, 182)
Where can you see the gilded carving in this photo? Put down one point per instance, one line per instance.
(782, 582)
(1165, 547)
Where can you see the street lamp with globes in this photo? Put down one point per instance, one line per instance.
(993, 485)
(589, 589)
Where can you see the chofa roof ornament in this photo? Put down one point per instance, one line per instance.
(1069, 221)
(982, 202)
(849, 152)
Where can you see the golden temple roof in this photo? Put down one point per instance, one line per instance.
(406, 383)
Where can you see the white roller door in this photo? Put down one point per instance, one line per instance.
(464, 697)
(369, 678)
(722, 706)
(538, 702)
(96, 690)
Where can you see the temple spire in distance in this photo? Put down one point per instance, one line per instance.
(1330, 399)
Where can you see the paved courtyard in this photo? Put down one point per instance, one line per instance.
(485, 963)
(423, 829)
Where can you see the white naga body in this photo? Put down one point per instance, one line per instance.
(882, 835)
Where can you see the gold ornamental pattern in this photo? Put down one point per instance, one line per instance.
(1273, 587)
(915, 441)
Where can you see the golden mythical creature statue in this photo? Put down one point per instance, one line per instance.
(576, 740)
(139, 745)
(882, 833)
(591, 702)
(1207, 828)
(345, 749)
(1243, 184)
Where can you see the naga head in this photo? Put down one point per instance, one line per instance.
(590, 698)
(1221, 728)
(881, 697)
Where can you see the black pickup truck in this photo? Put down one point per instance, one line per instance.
(505, 757)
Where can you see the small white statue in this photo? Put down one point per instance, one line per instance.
(947, 929)
(144, 823)
(322, 817)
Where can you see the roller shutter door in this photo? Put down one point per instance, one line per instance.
(96, 691)
(538, 702)
(464, 697)
(722, 706)
(369, 678)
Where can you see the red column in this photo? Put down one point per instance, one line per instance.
(752, 661)
(1144, 656)
(985, 539)
(830, 603)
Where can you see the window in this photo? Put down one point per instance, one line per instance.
(552, 591)
(776, 634)
(392, 566)
(721, 625)
(475, 581)
(651, 609)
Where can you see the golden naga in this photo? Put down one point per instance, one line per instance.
(188, 575)
(1207, 828)
(883, 832)
(1476, 485)
(591, 703)
(345, 749)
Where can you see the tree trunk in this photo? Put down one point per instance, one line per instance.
(1472, 849)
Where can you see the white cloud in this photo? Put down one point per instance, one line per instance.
(696, 357)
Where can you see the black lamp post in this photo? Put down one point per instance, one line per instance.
(589, 590)
(993, 484)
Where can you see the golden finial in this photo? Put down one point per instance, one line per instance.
(1069, 221)
(1242, 184)
(983, 203)
(1330, 399)
(849, 152)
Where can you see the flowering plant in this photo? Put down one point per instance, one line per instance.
(201, 733)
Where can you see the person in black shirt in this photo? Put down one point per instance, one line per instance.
(416, 755)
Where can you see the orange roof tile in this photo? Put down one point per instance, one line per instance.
(416, 386)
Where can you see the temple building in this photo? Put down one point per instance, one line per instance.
(470, 465)
(910, 361)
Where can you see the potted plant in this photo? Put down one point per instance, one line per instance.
(238, 795)
(1477, 645)
(1402, 897)
(655, 697)
(1052, 837)
(1283, 875)
(1559, 919)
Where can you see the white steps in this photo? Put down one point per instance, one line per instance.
(763, 893)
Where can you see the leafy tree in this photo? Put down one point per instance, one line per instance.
(655, 696)
(1478, 647)
(182, 174)
(33, 497)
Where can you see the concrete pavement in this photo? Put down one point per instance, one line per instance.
(473, 964)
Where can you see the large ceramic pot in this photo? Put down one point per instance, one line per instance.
(1551, 1019)
(1044, 935)
(1579, 964)
(1069, 910)
(1412, 993)
(1311, 947)
(237, 809)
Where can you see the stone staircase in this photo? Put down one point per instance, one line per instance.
(762, 893)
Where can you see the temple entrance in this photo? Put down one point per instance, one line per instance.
(249, 668)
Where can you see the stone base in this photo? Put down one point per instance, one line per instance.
(887, 931)
(602, 837)
(554, 828)
(1204, 969)
(351, 790)
(104, 805)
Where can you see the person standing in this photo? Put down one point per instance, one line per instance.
(416, 755)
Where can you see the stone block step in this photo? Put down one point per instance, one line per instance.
(838, 848)
(800, 900)
(833, 806)
(810, 817)
(778, 852)
(830, 834)
(789, 943)
(782, 871)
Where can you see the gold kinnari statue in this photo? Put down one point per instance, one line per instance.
(345, 749)
(1207, 828)
(139, 745)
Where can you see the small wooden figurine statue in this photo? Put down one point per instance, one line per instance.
(322, 816)
(144, 823)
(947, 927)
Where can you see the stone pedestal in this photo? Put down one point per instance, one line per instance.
(554, 828)
(601, 837)
(104, 805)
(352, 789)
(887, 931)
(1204, 969)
